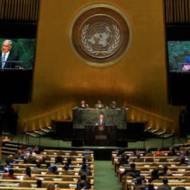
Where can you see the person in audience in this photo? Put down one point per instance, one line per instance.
(9, 175)
(138, 158)
(165, 185)
(58, 160)
(39, 183)
(83, 183)
(165, 171)
(157, 153)
(150, 186)
(172, 152)
(148, 152)
(7, 166)
(99, 104)
(83, 104)
(68, 164)
(182, 161)
(28, 173)
(123, 160)
(84, 170)
(132, 171)
(52, 170)
(155, 174)
(139, 184)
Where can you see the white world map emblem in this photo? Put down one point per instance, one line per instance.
(100, 35)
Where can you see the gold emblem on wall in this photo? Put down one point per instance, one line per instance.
(100, 35)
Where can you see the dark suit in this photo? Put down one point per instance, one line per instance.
(12, 60)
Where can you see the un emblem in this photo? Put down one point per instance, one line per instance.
(100, 35)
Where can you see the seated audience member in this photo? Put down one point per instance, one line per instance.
(132, 171)
(39, 183)
(28, 173)
(99, 104)
(138, 158)
(68, 164)
(9, 175)
(182, 161)
(139, 184)
(52, 170)
(155, 174)
(148, 152)
(172, 152)
(149, 186)
(123, 160)
(165, 185)
(58, 160)
(165, 171)
(83, 183)
(157, 153)
(7, 166)
(51, 187)
(83, 104)
(84, 170)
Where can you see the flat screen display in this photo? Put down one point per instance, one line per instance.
(17, 53)
(179, 56)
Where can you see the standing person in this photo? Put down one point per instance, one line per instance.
(9, 57)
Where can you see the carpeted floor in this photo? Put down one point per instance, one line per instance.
(105, 178)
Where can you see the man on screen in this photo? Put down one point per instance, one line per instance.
(9, 58)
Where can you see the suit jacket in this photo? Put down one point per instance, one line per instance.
(12, 60)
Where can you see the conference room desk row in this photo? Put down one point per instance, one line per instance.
(34, 188)
(149, 158)
(174, 184)
(149, 168)
(74, 164)
(51, 176)
(44, 171)
(45, 179)
(32, 183)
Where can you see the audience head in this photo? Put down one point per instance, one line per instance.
(28, 171)
(58, 159)
(11, 172)
(132, 166)
(165, 181)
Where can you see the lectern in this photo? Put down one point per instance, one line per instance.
(100, 135)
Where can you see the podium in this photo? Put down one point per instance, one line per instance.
(100, 135)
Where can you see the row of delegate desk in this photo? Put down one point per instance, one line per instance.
(64, 179)
(179, 175)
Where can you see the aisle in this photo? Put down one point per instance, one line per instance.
(105, 178)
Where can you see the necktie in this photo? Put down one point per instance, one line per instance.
(3, 60)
